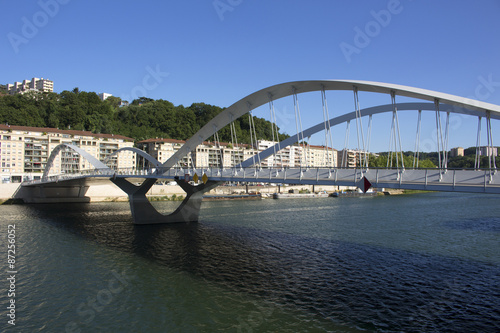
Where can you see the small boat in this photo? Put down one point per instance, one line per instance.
(300, 195)
(214, 197)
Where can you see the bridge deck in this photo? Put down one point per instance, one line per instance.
(479, 181)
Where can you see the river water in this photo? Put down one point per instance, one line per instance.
(426, 262)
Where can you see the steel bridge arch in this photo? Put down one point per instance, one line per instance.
(455, 104)
(91, 159)
(138, 151)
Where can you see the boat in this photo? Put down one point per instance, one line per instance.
(215, 197)
(300, 195)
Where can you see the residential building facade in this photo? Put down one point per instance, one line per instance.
(35, 84)
(24, 151)
(350, 158)
(455, 152)
(488, 151)
(208, 154)
(223, 154)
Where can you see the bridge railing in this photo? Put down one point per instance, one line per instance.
(298, 175)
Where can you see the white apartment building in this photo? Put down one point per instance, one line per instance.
(320, 156)
(103, 96)
(24, 151)
(458, 151)
(488, 151)
(205, 155)
(35, 84)
(350, 157)
(225, 155)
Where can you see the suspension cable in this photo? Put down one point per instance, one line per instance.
(298, 123)
(416, 155)
(438, 131)
(218, 149)
(368, 139)
(279, 153)
(255, 138)
(325, 121)
(393, 98)
(446, 139)
(488, 117)
(359, 126)
(477, 160)
(233, 154)
(346, 143)
(391, 138)
(328, 128)
(271, 110)
(251, 135)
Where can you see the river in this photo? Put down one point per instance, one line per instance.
(427, 262)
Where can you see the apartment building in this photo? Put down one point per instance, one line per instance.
(350, 157)
(319, 156)
(223, 154)
(208, 154)
(454, 152)
(24, 151)
(488, 151)
(35, 84)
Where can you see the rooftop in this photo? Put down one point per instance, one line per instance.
(56, 130)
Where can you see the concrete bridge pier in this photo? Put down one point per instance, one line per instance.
(144, 212)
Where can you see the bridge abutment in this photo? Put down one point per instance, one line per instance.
(72, 192)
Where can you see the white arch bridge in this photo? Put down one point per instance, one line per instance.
(269, 165)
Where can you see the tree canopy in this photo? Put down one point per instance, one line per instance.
(144, 118)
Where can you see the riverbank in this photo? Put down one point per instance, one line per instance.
(111, 193)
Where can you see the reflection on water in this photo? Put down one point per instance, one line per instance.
(327, 264)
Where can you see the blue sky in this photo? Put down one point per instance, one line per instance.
(217, 52)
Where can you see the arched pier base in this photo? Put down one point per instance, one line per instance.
(144, 212)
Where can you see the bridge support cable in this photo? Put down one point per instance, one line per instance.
(253, 139)
(398, 147)
(416, 154)
(219, 160)
(252, 144)
(439, 136)
(298, 124)
(234, 141)
(274, 131)
(328, 129)
(368, 139)
(344, 163)
(446, 140)
(359, 129)
(391, 138)
(491, 155)
(477, 159)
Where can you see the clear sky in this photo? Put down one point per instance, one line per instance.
(218, 52)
